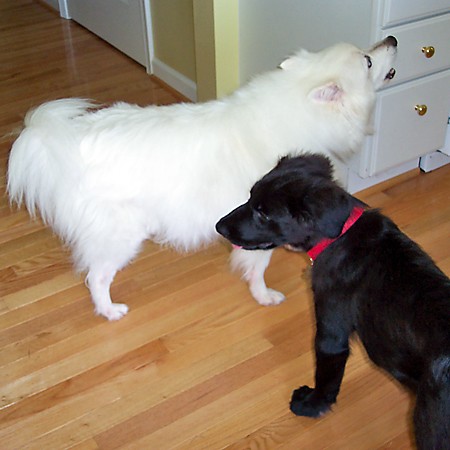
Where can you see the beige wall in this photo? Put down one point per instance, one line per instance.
(199, 40)
(173, 35)
(216, 47)
(226, 35)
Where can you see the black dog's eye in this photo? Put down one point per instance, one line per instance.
(261, 213)
(369, 61)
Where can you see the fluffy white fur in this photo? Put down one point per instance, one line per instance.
(106, 179)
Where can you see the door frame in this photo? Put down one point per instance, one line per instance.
(64, 12)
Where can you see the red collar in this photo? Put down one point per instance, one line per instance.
(315, 251)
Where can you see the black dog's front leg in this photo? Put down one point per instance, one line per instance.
(332, 350)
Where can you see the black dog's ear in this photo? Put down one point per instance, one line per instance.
(330, 209)
(308, 164)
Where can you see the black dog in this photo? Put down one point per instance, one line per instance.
(367, 277)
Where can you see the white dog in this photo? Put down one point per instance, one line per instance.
(106, 179)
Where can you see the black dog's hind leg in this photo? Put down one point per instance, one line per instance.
(432, 411)
(332, 350)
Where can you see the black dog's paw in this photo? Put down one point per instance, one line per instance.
(304, 402)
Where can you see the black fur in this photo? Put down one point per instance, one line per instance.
(373, 280)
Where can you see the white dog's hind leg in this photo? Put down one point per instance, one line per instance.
(99, 280)
(253, 264)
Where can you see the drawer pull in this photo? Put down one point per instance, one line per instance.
(421, 109)
(428, 51)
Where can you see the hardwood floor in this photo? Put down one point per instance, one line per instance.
(196, 364)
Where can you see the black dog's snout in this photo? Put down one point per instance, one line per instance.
(226, 226)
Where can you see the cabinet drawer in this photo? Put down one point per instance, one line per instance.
(411, 60)
(402, 134)
(398, 11)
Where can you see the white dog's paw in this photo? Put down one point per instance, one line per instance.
(114, 311)
(269, 297)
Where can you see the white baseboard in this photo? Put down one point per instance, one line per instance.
(174, 79)
(433, 161)
(354, 183)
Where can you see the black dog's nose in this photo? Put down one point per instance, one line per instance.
(391, 40)
(221, 228)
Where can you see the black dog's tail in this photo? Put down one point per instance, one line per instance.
(432, 413)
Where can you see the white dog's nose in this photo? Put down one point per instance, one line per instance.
(391, 41)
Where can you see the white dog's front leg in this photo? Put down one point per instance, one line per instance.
(99, 282)
(253, 264)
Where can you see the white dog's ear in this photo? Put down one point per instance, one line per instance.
(294, 60)
(330, 92)
(286, 64)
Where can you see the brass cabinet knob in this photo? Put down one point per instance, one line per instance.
(428, 51)
(421, 109)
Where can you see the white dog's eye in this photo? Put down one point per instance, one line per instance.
(369, 61)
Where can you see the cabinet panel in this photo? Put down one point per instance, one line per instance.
(402, 134)
(411, 60)
(397, 11)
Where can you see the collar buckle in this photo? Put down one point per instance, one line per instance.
(315, 251)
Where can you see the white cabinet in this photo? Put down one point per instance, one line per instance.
(427, 34)
(411, 114)
(269, 30)
(402, 133)
(397, 11)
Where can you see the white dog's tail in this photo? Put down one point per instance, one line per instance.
(45, 156)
